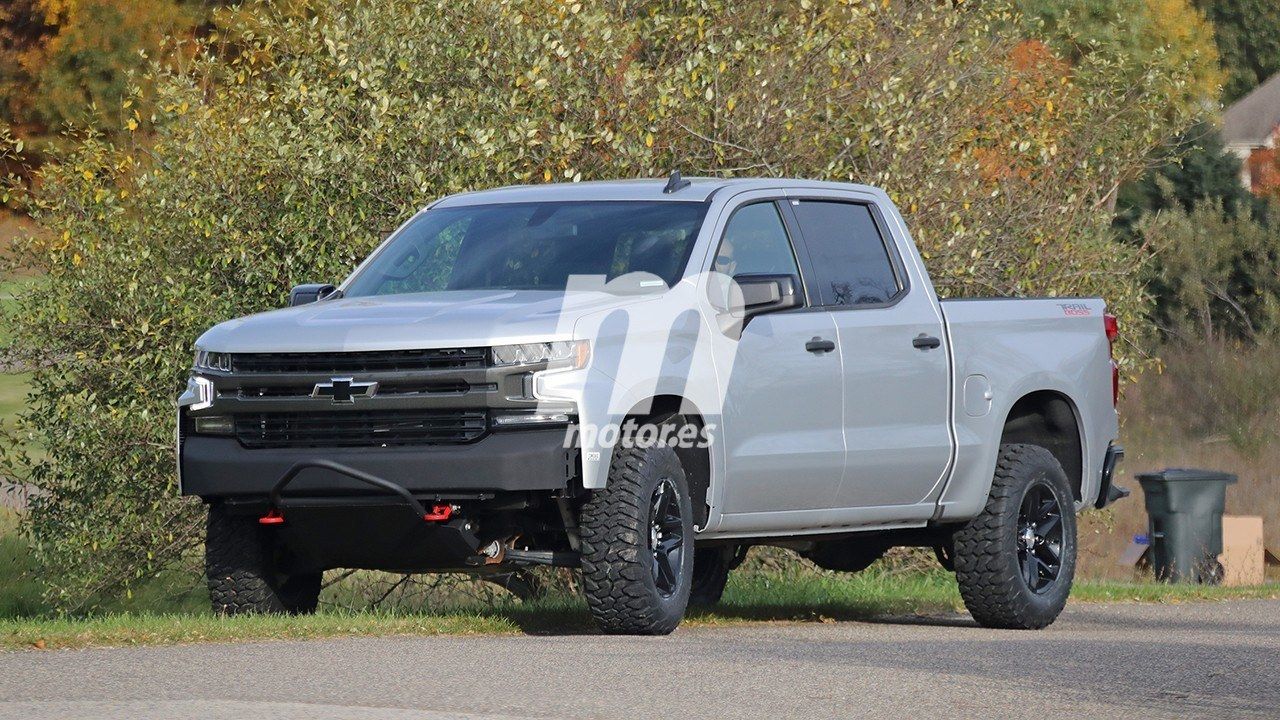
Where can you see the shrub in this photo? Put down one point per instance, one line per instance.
(1216, 274)
(279, 152)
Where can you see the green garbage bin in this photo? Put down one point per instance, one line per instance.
(1184, 510)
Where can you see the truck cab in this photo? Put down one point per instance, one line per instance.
(642, 379)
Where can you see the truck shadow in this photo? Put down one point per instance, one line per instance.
(572, 618)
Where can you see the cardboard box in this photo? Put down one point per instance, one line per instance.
(1243, 555)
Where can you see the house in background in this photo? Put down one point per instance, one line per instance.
(1251, 130)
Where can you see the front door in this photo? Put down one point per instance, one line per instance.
(781, 417)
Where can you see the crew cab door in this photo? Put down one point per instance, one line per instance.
(892, 347)
(781, 413)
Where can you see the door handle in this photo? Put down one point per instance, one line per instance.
(926, 342)
(819, 346)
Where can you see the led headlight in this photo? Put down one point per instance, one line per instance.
(561, 353)
(206, 360)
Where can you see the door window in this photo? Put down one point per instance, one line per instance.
(755, 242)
(850, 259)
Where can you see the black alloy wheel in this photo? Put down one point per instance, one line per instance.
(1040, 538)
(666, 537)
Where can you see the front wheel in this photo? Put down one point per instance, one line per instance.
(1015, 561)
(241, 569)
(637, 544)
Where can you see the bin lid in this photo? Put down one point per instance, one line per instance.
(1187, 474)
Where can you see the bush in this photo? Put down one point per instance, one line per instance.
(1216, 274)
(282, 149)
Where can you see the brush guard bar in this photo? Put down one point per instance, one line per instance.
(276, 502)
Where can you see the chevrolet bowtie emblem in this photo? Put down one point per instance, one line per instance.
(344, 390)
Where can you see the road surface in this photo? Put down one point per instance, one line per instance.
(1098, 661)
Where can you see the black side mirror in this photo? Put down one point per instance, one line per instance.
(313, 292)
(763, 294)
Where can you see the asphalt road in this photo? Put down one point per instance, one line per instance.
(1097, 661)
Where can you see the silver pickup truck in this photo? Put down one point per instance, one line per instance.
(643, 379)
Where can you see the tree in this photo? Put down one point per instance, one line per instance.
(1202, 171)
(282, 160)
(1171, 34)
(1217, 275)
(1248, 40)
(72, 62)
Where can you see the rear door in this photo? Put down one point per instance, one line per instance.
(892, 347)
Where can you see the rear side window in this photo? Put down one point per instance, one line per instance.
(849, 254)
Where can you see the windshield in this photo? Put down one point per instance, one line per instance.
(532, 246)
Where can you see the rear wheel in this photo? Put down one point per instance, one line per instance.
(637, 544)
(1015, 562)
(241, 569)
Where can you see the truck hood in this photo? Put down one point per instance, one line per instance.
(455, 318)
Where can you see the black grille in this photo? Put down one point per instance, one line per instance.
(385, 389)
(354, 362)
(360, 429)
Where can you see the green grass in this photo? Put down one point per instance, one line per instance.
(788, 596)
(20, 591)
(9, 288)
(13, 394)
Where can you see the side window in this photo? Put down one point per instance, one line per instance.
(755, 242)
(849, 254)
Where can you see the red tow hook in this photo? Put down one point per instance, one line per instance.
(273, 517)
(439, 513)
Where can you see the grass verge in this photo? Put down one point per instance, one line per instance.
(776, 597)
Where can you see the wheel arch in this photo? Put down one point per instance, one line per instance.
(695, 460)
(1050, 419)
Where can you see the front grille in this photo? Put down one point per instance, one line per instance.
(394, 388)
(356, 362)
(360, 429)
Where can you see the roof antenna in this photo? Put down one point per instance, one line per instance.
(675, 183)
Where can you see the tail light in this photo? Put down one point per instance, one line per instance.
(1112, 326)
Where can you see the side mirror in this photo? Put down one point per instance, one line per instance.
(313, 292)
(763, 294)
(747, 296)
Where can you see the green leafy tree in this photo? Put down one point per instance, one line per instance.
(1171, 34)
(1202, 171)
(281, 161)
(1248, 39)
(1217, 275)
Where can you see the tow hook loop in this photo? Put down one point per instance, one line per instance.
(273, 517)
(439, 513)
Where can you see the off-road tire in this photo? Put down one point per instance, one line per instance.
(986, 554)
(240, 566)
(849, 555)
(711, 566)
(617, 574)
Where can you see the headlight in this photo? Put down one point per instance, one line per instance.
(562, 353)
(206, 360)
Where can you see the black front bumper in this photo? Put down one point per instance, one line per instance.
(217, 467)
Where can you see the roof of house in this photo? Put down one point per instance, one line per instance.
(1252, 119)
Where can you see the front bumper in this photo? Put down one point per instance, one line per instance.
(217, 467)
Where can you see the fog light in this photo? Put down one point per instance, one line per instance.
(550, 416)
(215, 425)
